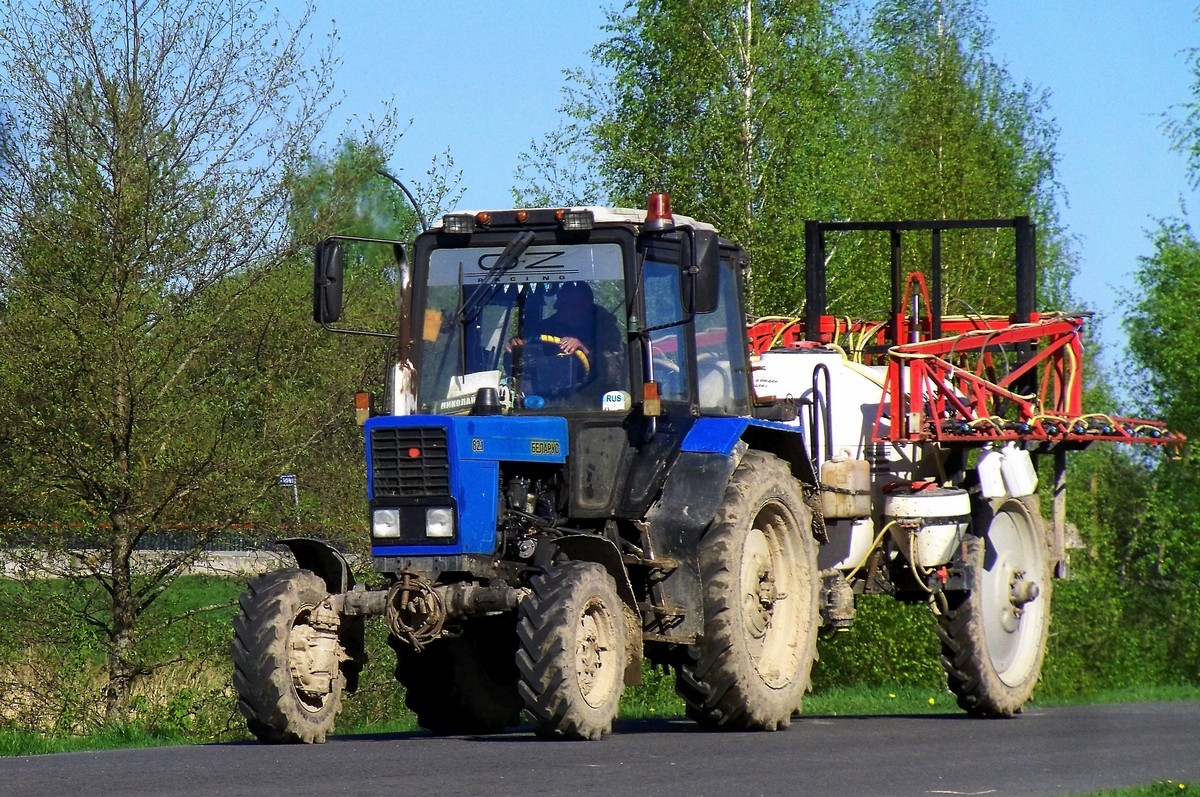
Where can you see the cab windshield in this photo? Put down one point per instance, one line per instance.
(548, 331)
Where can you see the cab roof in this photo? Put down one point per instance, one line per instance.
(602, 215)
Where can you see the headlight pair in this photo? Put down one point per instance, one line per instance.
(439, 523)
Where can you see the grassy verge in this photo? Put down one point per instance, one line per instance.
(653, 698)
(51, 683)
(1161, 789)
(13, 743)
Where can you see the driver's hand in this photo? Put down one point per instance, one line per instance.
(515, 343)
(572, 345)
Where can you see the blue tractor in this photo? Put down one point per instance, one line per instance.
(570, 476)
(586, 459)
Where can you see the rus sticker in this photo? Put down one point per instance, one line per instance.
(616, 401)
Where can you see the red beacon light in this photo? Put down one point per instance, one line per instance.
(658, 213)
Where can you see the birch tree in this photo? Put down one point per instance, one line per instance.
(146, 385)
(742, 109)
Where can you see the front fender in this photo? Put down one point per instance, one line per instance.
(322, 559)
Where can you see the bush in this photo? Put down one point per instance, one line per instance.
(890, 643)
(1106, 634)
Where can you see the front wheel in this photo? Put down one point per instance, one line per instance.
(572, 652)
(758, 565)
(994, 636)
(287, 658)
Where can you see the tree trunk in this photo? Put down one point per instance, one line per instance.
(122, 618)
(122, 607)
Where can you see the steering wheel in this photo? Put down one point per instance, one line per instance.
(583, 358)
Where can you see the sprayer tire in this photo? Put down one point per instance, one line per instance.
(269, 628)
(751, 666)
(993, 644)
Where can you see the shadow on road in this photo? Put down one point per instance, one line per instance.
(633, 727)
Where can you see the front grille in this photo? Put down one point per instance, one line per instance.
(410, 461)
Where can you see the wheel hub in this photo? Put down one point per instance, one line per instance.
(760, 593)
(1021, 591)
(595, 656)
(314, 655)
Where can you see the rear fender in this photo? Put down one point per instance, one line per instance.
(723, 435)
(692, 494)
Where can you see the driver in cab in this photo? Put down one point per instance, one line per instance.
(573, 321)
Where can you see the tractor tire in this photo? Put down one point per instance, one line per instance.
(465, 684)
(994, 635)
(751, 666)
(573, 638)
(286, 660)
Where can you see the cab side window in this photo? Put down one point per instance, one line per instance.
(668, 346)
(721, 358)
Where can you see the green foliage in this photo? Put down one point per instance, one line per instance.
(740, 109)
(55, 657)
(1147, 559)
(1162, 324)
(653, 697)
(952, 136)
(756, 116)
(346, 194)
(379, 700)
(889, 644)
(1108, 635)
(143, 383)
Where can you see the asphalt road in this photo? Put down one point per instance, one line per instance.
(1052, 751)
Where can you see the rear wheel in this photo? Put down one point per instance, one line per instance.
(572, 653)
(465, 684)
(994, 636)
(287, 658)
(751, 667)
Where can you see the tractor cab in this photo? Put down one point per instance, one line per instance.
(578, 312)
(569, 311)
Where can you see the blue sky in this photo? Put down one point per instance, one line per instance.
(483, 80)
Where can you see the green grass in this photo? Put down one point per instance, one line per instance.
(1130, 694)
(654, 698)
(1163, 788)
(14, 743)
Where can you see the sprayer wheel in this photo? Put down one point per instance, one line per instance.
(994, 635)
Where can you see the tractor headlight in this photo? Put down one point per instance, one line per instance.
(458, 223)
(385, 523)
(579, 219)
(439, 522)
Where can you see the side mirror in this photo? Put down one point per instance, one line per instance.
(706, 271)
(327, 282)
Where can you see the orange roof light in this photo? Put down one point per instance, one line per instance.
(658, 213)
